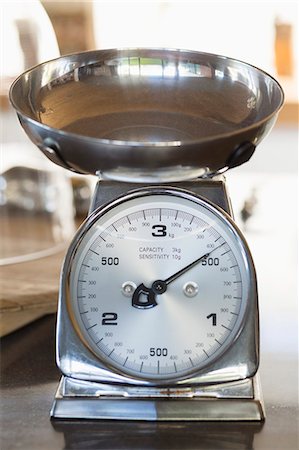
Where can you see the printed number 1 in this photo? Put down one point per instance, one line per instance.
(214, 318)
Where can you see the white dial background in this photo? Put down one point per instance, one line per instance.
(145, 239)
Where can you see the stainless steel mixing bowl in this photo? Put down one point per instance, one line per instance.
(146, 114)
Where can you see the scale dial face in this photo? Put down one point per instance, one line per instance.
(158, 284)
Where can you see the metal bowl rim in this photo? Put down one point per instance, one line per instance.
(141, 144)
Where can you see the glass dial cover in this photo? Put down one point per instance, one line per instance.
(158, 284)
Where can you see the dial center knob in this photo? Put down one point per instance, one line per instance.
(159, 287)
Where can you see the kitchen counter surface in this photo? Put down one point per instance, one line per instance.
(29, 376)
(29, 381)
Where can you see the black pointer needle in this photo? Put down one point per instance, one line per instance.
(160, 286)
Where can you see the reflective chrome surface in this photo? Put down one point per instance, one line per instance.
(235, 402)
(75, 360)
(145, 114)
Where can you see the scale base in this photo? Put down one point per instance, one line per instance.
(237, 401)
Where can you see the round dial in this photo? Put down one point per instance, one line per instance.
(158, 284)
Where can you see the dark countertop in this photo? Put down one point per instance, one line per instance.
(29, 381)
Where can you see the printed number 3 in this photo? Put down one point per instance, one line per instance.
(159, 230)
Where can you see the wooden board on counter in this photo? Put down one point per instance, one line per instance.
(28, 291)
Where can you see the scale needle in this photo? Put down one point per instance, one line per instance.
(160, 286)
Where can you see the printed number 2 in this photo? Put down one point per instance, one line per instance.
(109, 318)
(160, 230)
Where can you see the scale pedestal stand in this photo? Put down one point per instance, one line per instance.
(239, 401)
(231, 401)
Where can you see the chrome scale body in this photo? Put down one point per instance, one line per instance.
(91, 389)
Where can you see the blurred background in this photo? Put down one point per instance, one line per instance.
(41, 204)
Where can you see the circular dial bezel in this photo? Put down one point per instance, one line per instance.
(107, 215)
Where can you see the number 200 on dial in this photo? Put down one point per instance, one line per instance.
(158, 284)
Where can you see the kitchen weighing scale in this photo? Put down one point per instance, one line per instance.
(158, 308)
